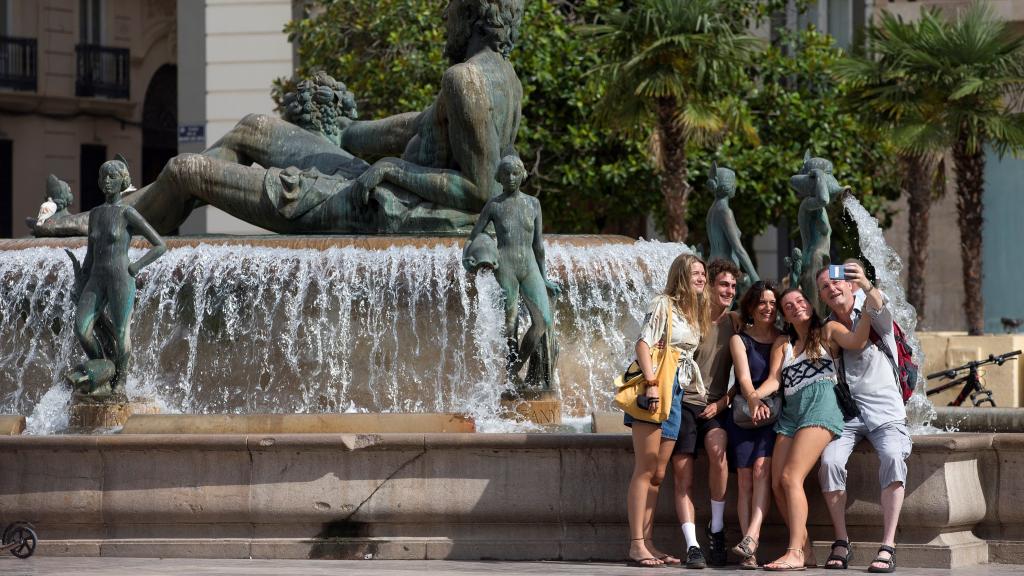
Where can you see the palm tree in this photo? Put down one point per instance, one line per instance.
(882, 92)
(965, 77)
(672, 64)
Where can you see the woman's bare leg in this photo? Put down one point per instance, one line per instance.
(650, 455)
(803, 452)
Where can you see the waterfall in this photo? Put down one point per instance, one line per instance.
(248, 329)
(887, 264)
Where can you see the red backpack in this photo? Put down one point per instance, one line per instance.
(902, 362)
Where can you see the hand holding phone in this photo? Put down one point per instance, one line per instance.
(837, 272)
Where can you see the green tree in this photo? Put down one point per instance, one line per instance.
(672, 69)
(796, 105)
(890, 97)
(964, 77)
(389, 53)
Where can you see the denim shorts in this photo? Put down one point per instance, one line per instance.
(670, 427)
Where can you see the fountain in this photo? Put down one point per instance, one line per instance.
(387, 325)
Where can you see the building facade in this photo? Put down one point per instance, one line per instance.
(80, 81)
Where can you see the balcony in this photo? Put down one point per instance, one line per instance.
(102, 71)
(18, 63)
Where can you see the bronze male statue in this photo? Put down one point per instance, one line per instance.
(436, 169)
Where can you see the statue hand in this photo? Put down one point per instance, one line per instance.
(553, 288)
(133, 269)
(371, 179)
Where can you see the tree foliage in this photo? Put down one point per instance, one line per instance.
(589, 178)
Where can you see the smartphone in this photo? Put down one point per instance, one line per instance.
(837, 272)
(643, 402)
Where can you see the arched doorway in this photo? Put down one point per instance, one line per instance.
(159, 122)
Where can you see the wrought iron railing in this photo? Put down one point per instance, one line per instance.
(18, 63)
(102, 71)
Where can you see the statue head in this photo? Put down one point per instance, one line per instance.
(114, 178)
(511, 173)
(721, 181)
(495, 22)
(59, 191)
(814, 174)
(319, 104)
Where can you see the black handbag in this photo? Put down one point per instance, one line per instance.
(741, 411)
(847, 405)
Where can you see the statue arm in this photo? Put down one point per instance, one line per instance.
(481, 223)
(441, 186)
(732, 233)
(139, 224)
(385, 137)
(538, 249)
(474, 149)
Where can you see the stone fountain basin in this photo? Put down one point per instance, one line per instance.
(453, 496)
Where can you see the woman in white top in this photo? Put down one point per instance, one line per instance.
(683, 304)
(802, 364)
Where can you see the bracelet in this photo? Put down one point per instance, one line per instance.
(870, 288)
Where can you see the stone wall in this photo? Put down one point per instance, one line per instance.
(464, 496)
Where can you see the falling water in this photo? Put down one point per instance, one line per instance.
(887, 264)
(249, 329)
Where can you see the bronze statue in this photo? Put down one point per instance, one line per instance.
(818, 187)
(105, 287)
(723, 233)
(794, 265)
(436, 167)
(519, 269)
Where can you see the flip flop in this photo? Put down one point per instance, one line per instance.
(783, 567)
(670, 560)
(640, 563)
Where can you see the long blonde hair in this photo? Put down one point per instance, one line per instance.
(691, 304)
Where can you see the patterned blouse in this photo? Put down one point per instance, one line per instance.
(684, 337)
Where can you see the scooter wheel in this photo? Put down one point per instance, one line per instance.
(25, 539)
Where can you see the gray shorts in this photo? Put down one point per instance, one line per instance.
(892, 444)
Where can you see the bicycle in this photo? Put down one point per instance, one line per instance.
(973, 387)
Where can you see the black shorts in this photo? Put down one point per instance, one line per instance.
(692, 429)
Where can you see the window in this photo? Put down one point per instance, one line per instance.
(90, 19)
(5, 18)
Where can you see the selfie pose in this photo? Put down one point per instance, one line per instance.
(872, 376)
(681, 310)
(801, 363)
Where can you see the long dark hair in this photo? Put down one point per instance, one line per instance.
(815, 334)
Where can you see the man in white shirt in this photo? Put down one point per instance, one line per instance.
(874, 386)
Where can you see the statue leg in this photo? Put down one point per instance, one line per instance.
(120, 305)
(535, 296)
(510, 288)
(271, 142)
(90, 304)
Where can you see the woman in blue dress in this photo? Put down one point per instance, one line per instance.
(752, 447)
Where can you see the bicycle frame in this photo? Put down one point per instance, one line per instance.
(972, 385)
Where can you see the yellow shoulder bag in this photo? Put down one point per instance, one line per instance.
(632, 384)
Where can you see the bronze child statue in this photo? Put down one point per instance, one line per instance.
(723, 233)
(105, 287)
(519, 266)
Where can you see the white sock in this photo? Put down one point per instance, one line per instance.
(690, 534)
(717, 516)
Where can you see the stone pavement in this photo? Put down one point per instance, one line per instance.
(43, 566)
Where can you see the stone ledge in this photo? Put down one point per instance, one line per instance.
(11, 424)
(296, 423)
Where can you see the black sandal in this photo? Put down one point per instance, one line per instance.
(890, 562)
(833, 557)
